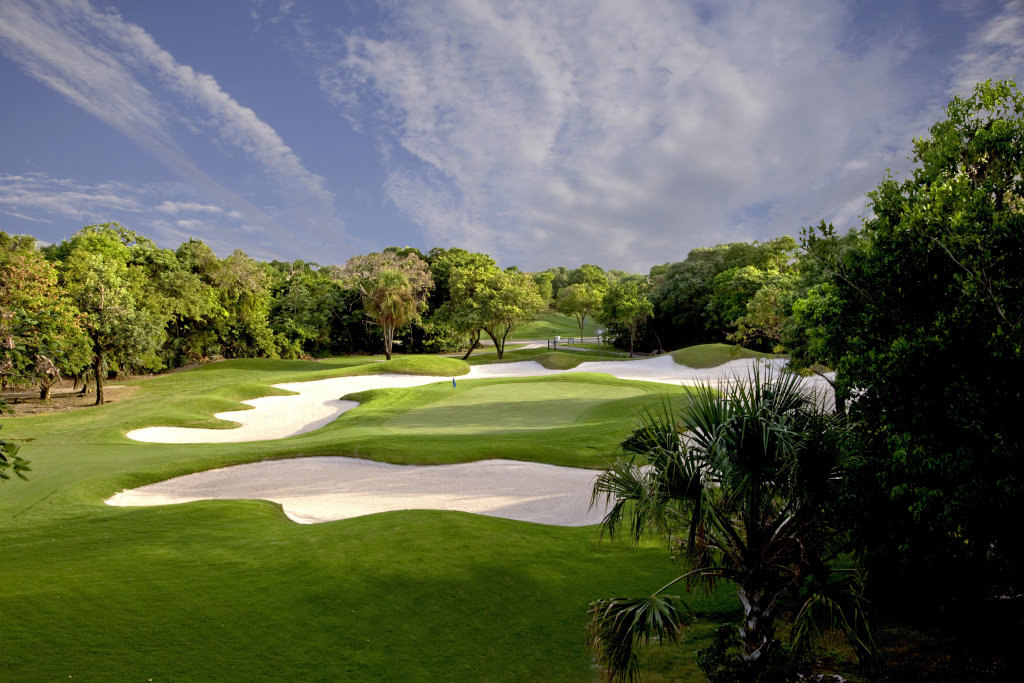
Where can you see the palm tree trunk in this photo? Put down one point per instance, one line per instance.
(757, 631)
(388, 332)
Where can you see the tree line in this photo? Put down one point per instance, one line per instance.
(110, 300)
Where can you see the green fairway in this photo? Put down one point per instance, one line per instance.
(509, 407)
(548, 325)
(232, 590)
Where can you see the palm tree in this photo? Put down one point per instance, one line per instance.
(738, 481)
(390, 301)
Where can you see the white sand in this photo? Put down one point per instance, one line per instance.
(324, 489)
(313, 405)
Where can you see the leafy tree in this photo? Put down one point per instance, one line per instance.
(685, 310)
(626, 304)
(244, 288)
(739, 480)
(559, 279)
(394, 287)
(508, 301)
(545, 286)
(467, 277)
(110, 292)
(50, 340)
(580, 301)
(926, 332)
(761, 326)
(588, 274)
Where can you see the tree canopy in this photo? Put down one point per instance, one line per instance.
(924, 323)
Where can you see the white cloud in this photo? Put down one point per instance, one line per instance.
(995, 49)
(174, 208)
(72, 203)
(65, 198)
(539, 130)
(629, 133)
(117, 72)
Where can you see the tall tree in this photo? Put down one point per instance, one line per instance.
(394, 287)
(508, 301)
(50, 339)
(626, 304)
(110, 292)
(581, 301)
(467, 278)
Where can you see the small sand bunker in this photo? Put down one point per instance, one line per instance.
(313, 405)
(325, 489)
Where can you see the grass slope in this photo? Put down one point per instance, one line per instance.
(563, 359)
(713, 355)
(231, 590)
(548, 325)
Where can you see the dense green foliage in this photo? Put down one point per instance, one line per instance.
(924, 323)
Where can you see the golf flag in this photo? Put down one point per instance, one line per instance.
(453, 382)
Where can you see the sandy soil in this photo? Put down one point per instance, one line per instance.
(63, 397)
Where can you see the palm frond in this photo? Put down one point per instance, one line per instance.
(834, 600)
(618, 625)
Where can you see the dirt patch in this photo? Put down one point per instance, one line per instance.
(63, 397)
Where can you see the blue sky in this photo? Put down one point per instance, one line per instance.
(616, 132)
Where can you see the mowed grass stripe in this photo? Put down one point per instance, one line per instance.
(509, 407)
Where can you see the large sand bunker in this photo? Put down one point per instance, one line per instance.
(324, 489)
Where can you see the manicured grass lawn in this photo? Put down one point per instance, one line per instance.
(713, 355)
(563, 359)
(547, 325)
(232, 590)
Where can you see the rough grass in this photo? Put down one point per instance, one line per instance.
(713, 355)
(231, 590)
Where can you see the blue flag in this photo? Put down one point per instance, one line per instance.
(453, 382)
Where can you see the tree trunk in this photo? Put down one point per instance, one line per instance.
(44, 391)
(98, 368)
(474, 341)
(388, 332)
(757, 630)
(498, 346)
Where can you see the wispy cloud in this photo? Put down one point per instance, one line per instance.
(64, 198)
(117, 72)
(994, 50)
(39, 197)
(628, 133)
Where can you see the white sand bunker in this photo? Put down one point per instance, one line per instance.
(317, 403)
(313, 405)
(324, 489)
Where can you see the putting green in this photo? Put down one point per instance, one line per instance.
(509, 408)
